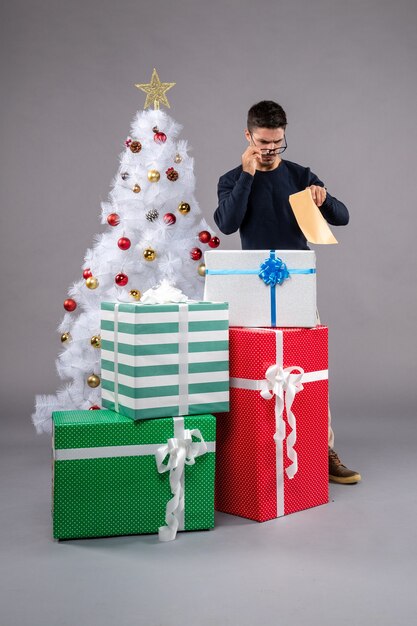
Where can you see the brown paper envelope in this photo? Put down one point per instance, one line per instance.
(309, 218)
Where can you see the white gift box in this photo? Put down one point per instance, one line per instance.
(264, 287)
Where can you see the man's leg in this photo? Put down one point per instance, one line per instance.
(338, 473)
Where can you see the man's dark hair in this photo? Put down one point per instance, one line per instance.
(266, 114)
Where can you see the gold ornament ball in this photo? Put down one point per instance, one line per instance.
(153, 176)
(91, 282)
(178, 158)
(93, 381)
(202, 269)
(184, 208)
(65, 337)
(135, 293)
(96, 341)
(149, 254)
(136, 188)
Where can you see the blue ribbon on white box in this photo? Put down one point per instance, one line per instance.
(273, 271)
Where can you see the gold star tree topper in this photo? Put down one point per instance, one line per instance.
(155, 91)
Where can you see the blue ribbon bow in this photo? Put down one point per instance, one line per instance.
(273, 271)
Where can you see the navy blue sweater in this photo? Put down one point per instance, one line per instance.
(259, 207)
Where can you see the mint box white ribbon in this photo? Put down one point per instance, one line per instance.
(183, 358)
(283, 384)
(181, 451)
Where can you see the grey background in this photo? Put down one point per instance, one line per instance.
(345, 72)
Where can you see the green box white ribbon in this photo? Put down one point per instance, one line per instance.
(115, 476)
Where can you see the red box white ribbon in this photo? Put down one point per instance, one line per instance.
(272, 456)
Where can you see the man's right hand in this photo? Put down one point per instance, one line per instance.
(250, 158)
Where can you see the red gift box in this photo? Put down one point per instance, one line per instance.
(272, 446)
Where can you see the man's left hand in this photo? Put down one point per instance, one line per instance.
(318, 194)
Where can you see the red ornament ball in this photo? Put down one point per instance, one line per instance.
(121, 279)
(214, 242)
(95, 407)
(113, 219)
(124, 243)
(196, 254)
(160, 137)
(70, 305)
(87, 273)
(204, 236)
(169, 219)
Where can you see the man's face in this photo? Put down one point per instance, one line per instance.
(269, 141)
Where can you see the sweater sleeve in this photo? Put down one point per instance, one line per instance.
(333, 211)
(233, 201)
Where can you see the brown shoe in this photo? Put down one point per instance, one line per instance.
(339, 473)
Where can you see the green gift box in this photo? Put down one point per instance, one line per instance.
(160, 360)
(115, 476)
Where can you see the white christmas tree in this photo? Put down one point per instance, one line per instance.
(155, 233)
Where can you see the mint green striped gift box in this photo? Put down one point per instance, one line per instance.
(113, 476)
(165, 359)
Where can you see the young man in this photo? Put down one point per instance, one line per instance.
(253, 198)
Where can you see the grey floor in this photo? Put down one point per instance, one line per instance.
(350, 562)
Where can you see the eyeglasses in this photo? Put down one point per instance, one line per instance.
(281, 146)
